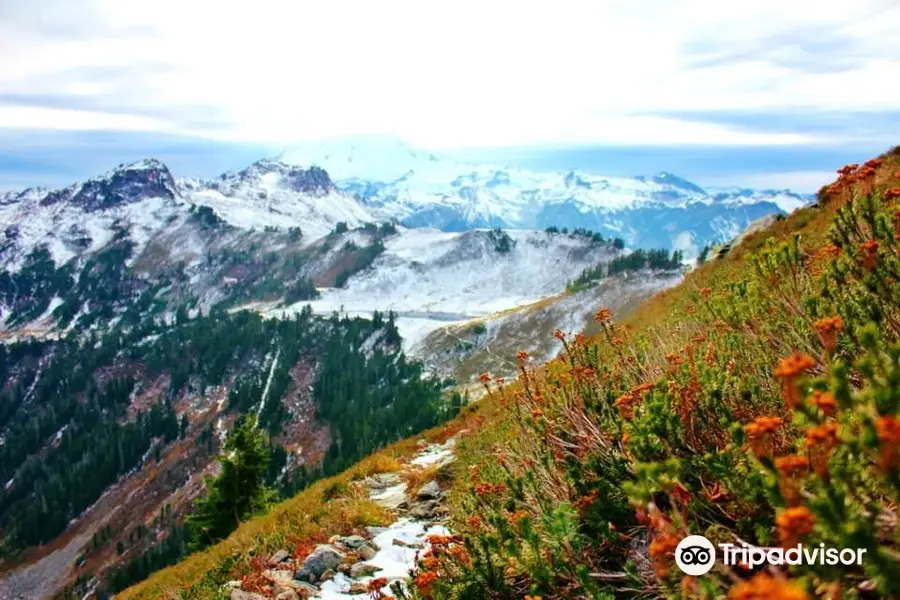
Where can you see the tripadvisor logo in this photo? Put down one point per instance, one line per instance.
(695, 555)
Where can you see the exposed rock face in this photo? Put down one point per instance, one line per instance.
(366, 551)
(353, 541)
(322, 559)
(125, 184)
(429, 491)
(278, 557)
(362, 569)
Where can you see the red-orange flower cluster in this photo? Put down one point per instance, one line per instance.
(425, 580)
(766, 587)
(792, 466)
(626, 402)
(788, 370)
(868, 254)
(760, 433)
(603, 316)
(662, 552)
(828, 329)
(488, 489)
(821, 440)
(794, 524)
(791, 470)
(824, 401)
(888, 430)
(892, 194)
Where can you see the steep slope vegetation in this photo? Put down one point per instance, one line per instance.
(106, 438)
(758, 401)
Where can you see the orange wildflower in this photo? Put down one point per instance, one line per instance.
(558, 334)
(828, 329)
(794, 524)
(425, 580)
(485, 378)
(824, 401)
(625, 403)
(603, 316)
(789, 369)
(487, 489)
(705, 292)
(759, 434)
(765, 587)
(439, 540)
(821, 440)
(829, 251)
(892, 194)
(662, 552)
(868, 253)
(792, 466)
(888, 430)
(791, 470)
(518, 516)
(460, 554)
(522, 356)
(874, 163)
(474, 522)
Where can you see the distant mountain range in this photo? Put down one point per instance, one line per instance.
(421, 189)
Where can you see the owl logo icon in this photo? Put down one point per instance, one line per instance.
(695, 555)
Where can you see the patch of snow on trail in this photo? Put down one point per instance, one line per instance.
(436, 455)
(396, 561)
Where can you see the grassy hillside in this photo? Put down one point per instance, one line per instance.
(758, 401)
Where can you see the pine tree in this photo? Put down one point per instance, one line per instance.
(239, 491)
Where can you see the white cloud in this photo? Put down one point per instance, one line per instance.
(454, 74)
(798, 181)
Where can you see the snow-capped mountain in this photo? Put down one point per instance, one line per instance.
(270, 193)
(145, 199)
(421, 189)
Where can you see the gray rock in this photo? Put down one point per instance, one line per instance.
(327, 576)
(242, 595)
(322, 559)
(358, 587)
(352, 541)
(424, 510)
(362, 569)
(305, 589)
(286, 594)
(429, 491)
(278, 558)
(375, 531)
(366, 552)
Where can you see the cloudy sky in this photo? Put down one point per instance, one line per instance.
(771, 92)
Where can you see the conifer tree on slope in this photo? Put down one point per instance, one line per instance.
(239, 491)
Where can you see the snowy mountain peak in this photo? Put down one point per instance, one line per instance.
(666, 178)
(126, 184)
(273, 173)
